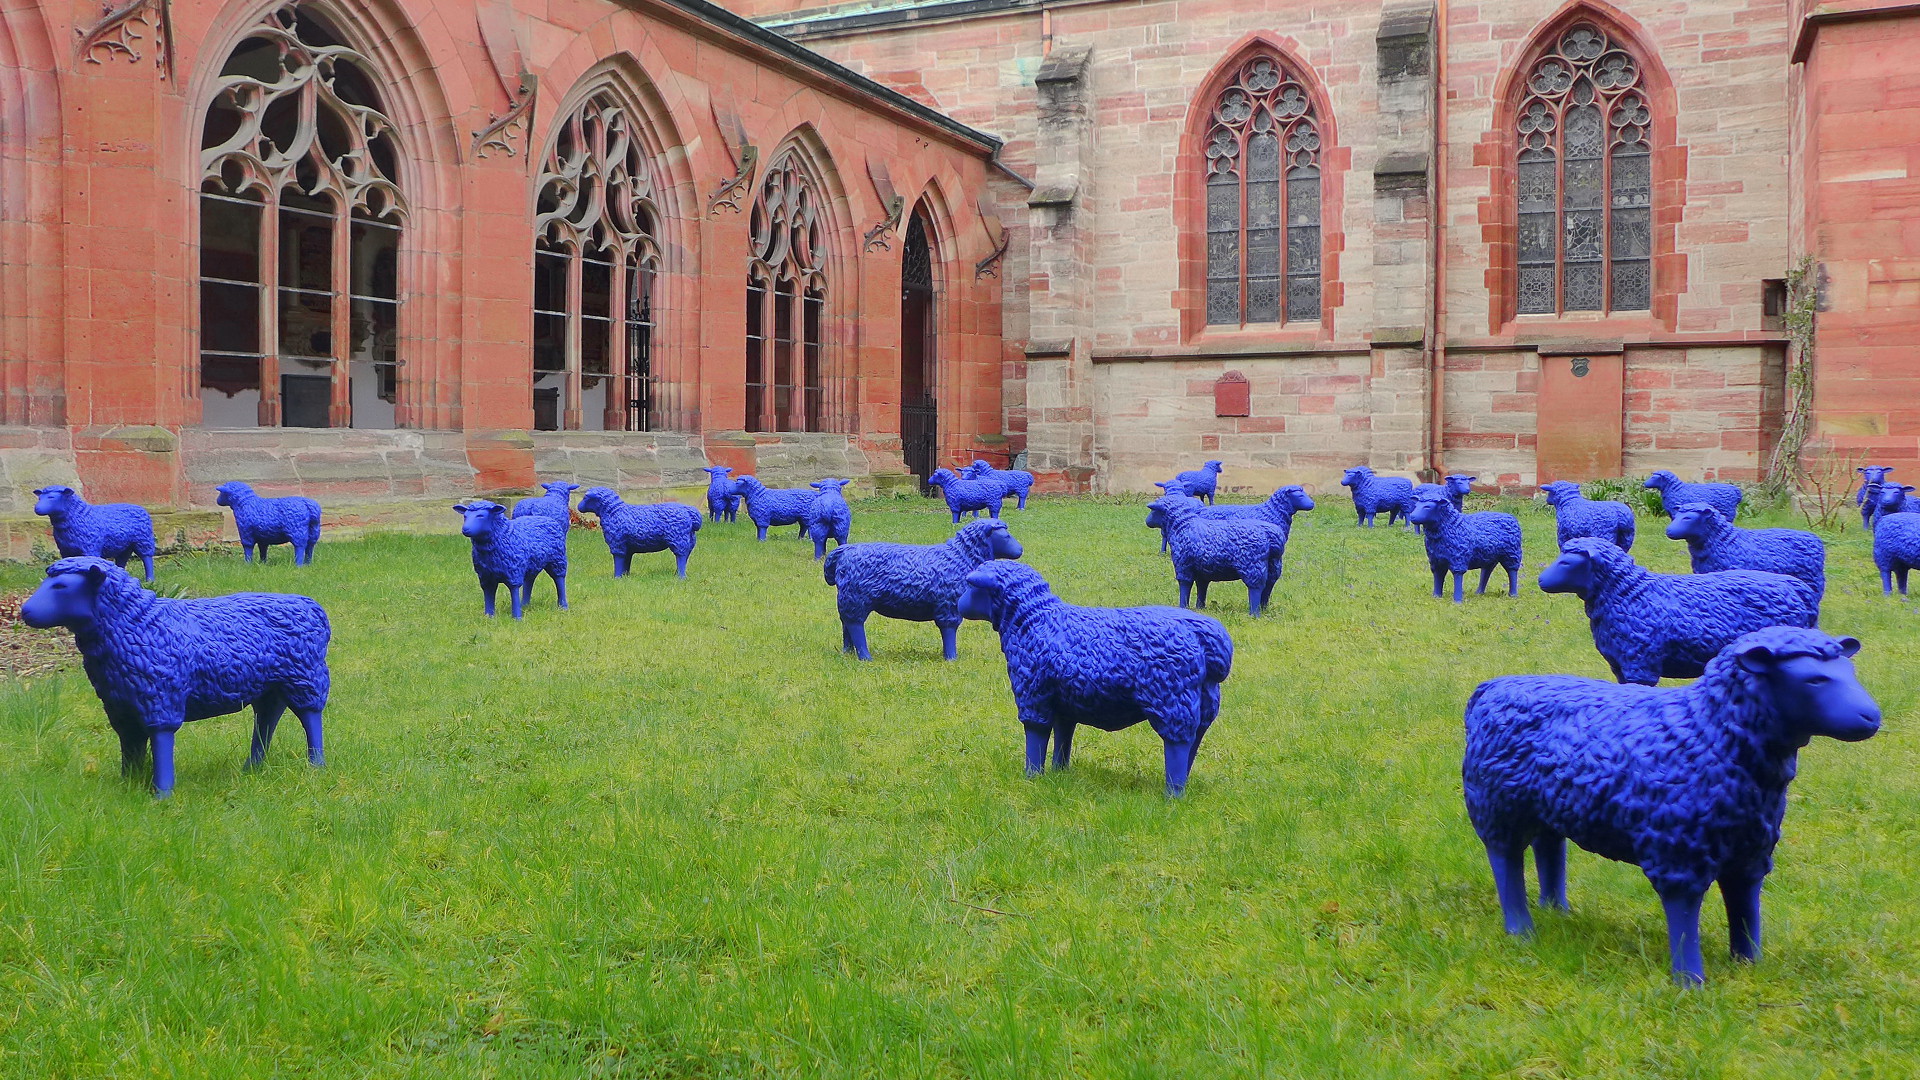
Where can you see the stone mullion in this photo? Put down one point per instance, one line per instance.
(615, 418)
(340, 403)
(570, 410)
(270, 313)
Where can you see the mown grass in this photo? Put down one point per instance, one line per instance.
(674, 833)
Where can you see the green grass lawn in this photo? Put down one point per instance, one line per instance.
(675, 833)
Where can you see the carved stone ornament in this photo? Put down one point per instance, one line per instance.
(517, 122)
(746, 159)
(119, 29)
(876, 237)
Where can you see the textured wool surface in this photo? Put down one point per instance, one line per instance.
(1577, 516)
(1014, 483)
(1460, 541)
(163, 662)
(1108, 668)
(1201, 482)
(1867, 497)
(514, 551)
(263, 522)
(1714, 543)
(1676, 493)
(1689, 784)
(642, 528)
(1278, 508)
(1652, 626)
(965, 496)
(828, 516)
(555, 504)
(723, 493)
(116, 531)
(913, 582)
(771, 507)
(1206, 550)
(1459, 486)
(1896, 550)
(1373, 494)
(1894, 499)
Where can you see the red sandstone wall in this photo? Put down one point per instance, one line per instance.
(98, 260)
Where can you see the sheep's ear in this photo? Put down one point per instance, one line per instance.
(1757, 659)
(1861, 471)
(1849, 646)
(497, 510)
(95, 575)
(459, 508)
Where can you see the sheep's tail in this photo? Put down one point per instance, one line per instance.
(1219, 649)
(832, 566)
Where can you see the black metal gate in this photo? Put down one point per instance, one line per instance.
(920, 436)
(919, 367)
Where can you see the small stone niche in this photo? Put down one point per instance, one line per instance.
(1232, 395)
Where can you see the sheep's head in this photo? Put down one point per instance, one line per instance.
(976, 470)
(233, 492)
(718, 472)
(989, 536)
(1814, 687)
(598, 500)
(941, 477)
(1893, 497)
(54, 498)
(1661, 480)
(1354, 476)
(562, 488)
(1212, 467)
(1561, 492)
(1874, 474)
(1172, 507)
(1430, 505)
(1460, 484)
(994, 590)
(1295, 496)
(482, 518)
(1572, 572)
(829, 485)
(1695, 521)
(68, 595)
(1172, 487)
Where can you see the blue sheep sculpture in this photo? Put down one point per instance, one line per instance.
(1459, 486)
(641, 529)
(723, 493)
(514, 552)
(1868, 497)
(1279, 508)
(913, 582)
(1688, 784)
(1372, 494)
(1577, 516)
(1014, 483)
(116, 531)
(967, 496)
(1650, 626)
(1220, 549)
(828, 516)
(1461, 542)
(1170, 487)
(1896, 550)
(158, 663)
(1676, 493)
(556, 504)
(263, 522)
(1715, 544)
(1108, 668)
(1894, 499)
(773, 507)
(1201, 482)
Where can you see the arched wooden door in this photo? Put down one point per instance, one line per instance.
(919, 360)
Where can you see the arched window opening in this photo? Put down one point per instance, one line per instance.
(595, 267)
(1262, 168)
(300, 228)
(789, 386)
(1585, 173)
(919, 351)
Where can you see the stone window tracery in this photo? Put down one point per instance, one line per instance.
(1262, 163)
(301, 218)
(1585, 179)
(789, 386)
(596, 266)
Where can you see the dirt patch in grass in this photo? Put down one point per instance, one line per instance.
(26, 653)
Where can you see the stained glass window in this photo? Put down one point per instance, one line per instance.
(1263, 200)
(1585, 180)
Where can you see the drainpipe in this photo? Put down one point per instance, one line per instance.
(1437, 248)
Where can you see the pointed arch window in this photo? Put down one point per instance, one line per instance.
(1585, 179)
(301, 220)
(789, 386)
(1263, 173)
(596, 265)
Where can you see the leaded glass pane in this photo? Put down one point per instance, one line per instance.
(1632, 178)
(1584, 231)
(1536, 290)
(1536, 238)
(1632, 286)
(1586, 136)
(1263, 204)
(1263, 299)
(1584, 287)
(1582, 185)
(1539, 185)
(1223, 301)
(1303, 201)
(1263, 157)
(1303, 250)
(1223, 204)
(1632, 234)
(1303, 298)
(1263, 251)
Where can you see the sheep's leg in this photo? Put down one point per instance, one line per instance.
(1200, 599)
(1513, 580)
(1256, 589)
(1439, 577)
(622, 561)
(1037, 748)
(163, 762)
(516, 597)
(1509, 863)
(310, 722)
(1023, 501)
(559, 588)
(246, 549)
(950, 641)
(1683, 938)
(819, 547)
(1179, 763)
(680, 562)
(1741, 893)
(488, 590)
(133, 748)
(1550, 863)
(1459, 586)
(1901, 574)
(1485, 573)
(1186, 591)
(266, 718)
(853, 637)
(956, 517)
(763, 530)
(146, 559)
(1886, 583)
